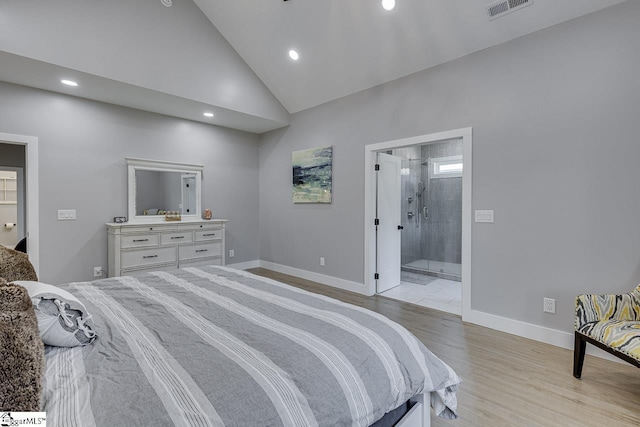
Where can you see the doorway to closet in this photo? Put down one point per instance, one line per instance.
(12, 216)
(19, 194)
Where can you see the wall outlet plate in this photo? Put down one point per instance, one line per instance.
(549, 305)
(232, 253)
(97, 271)
(484, 215)
(66, 214)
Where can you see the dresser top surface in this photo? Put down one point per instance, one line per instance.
(165, 223)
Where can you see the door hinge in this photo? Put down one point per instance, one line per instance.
(376, 276)
(376, 221)
(377, 167)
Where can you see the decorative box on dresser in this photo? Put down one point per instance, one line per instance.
(136, 247)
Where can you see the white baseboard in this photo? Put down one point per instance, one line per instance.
(245, 265)
(534, 332)
(316, 277)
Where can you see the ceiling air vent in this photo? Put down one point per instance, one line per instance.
(501, 8)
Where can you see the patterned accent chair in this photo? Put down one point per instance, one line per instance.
(611, 322)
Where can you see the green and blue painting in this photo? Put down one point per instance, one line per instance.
(312, 175)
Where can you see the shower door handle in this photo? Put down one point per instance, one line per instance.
(400, 227)
(425, 212)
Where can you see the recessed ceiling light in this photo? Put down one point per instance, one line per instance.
(388, 4)
(207, 114)
(294, 55)
(69, 83)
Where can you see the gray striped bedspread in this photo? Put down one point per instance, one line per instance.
(213, 346)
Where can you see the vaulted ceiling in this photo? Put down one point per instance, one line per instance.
(231, 57)
(346, 46)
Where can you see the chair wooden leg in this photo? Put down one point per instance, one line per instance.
(578, 355)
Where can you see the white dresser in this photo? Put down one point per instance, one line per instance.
(135, 247)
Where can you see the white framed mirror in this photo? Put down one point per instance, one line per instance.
(156, 187)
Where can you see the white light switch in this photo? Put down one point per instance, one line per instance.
(66, 214)
(484, 215)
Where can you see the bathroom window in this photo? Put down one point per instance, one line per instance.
(445, 167)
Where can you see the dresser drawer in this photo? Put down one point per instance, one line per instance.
(144, 257)
(147, 228)
(139, 240)
(212, 226)
(202, 250)
(212, 234)
(199, 262)
(176, 237)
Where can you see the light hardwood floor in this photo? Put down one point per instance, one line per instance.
(508, 380)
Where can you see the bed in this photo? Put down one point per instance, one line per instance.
(214, 346)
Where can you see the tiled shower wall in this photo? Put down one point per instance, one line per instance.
(439, 237)
(411, 234)
(444, 202)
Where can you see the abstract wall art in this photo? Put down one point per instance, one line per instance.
(312, 175)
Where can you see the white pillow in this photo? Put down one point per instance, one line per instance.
(63, 320)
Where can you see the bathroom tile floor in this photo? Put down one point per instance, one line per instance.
(428, 291)
(443, 267)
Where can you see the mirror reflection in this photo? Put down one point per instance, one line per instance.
(158, 192)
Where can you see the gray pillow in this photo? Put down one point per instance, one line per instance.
(63, 321)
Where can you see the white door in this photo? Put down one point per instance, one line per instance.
(388, 215)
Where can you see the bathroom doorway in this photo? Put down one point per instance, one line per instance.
(431, 219)
(436, 219)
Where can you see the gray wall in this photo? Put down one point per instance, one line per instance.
(158, 190)
(150, 191)
(82, 150)
(555, 140)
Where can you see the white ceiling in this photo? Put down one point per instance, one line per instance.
(347, 46)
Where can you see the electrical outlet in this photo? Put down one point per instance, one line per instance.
(549, 305)
(232, 253)
(97, 271)
(321, 261)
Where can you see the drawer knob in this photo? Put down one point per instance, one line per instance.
(177, 237)
(140, 240)
(150, 256)
(201, 250)
(210, 234)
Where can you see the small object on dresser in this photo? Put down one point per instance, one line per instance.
(172, 216)
(207, 214)
(119, 219)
